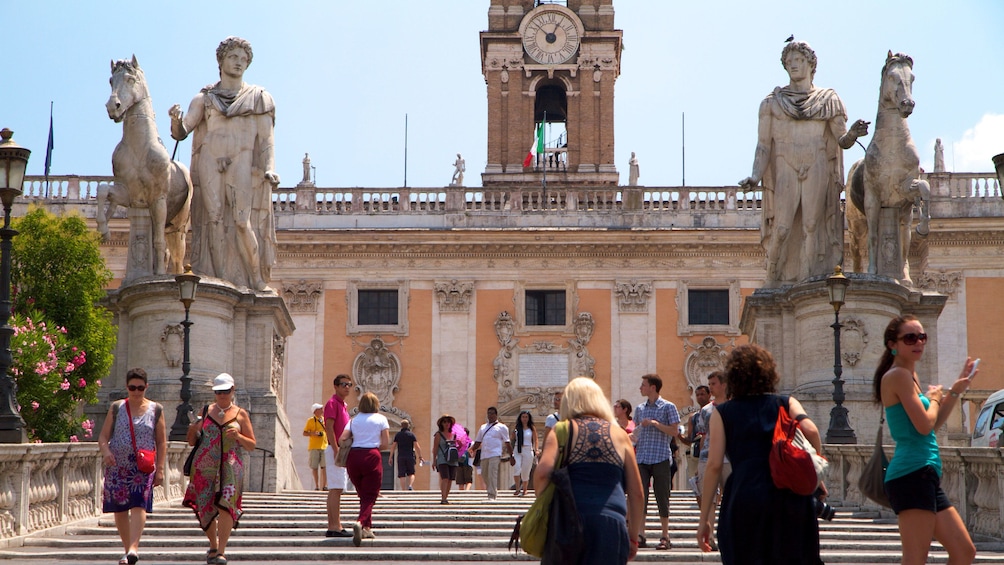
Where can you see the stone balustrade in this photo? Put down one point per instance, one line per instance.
(973, 478)
(47, 485)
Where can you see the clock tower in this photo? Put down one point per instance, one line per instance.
(551, 63)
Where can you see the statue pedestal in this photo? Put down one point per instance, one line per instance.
(238, 332)
(139, 262)
(794, 324)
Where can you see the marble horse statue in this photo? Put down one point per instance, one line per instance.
(888, 177)
(145, 176)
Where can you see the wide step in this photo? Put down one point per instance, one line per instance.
(413, 527)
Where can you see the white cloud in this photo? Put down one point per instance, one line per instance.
(973, 153)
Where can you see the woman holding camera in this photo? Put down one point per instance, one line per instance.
(913, 478)
(758, 522)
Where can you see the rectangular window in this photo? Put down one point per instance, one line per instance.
(378, 307)
(545, 308)
(708, 307)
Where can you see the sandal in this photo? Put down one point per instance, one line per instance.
(132, 557)
(124, 560)
(220, 559)
(641, 541)
(211, 555)
(664, 544)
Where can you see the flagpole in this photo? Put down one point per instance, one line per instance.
(48, 152)
(543, 132)
(405, 151)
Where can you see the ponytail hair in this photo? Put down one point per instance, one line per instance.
(885, 363)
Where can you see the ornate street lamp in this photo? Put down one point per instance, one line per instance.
(13, 162)
(188, 283)
(839, 430)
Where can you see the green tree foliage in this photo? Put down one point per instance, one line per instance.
(58, 271)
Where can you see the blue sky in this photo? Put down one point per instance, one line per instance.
(344, 74)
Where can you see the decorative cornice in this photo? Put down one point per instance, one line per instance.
(302, 296)
(942, 282)
(632, 296)
(454, 296)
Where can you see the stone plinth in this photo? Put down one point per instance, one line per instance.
(794, 323)
(239, 332)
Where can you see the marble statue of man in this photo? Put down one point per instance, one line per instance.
(939, 156)
(233, 172)
(459, 166)
(798, 157)
(633, 170)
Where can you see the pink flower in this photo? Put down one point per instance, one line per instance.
(73, 439)
(35, 405)
(98, 382)
(65, 385)
(69, 369)
(88, 434)
(81, 383)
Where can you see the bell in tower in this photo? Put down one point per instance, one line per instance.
(556, 64)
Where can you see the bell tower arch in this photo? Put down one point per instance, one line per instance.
(554, 63)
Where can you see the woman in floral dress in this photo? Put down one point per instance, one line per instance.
(128, 492)
(215, 489)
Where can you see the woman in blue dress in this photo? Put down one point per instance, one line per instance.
(128, 492)
(602, 467)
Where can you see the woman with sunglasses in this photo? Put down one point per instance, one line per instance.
(128, 492)
(913, 478)
(217, 480)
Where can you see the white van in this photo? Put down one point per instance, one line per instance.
(990, 422)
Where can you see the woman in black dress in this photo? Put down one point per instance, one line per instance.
(758, 523)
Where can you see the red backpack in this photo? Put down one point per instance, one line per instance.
(794, 463)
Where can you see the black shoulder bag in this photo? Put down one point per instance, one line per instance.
(191, 454)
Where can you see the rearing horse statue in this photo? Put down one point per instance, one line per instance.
(888, 177)
(145, 177)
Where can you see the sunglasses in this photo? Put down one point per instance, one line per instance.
(345, 384)
(228, 391)
(140, 388)
(912, 338)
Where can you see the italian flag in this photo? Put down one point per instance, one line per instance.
(537, 147)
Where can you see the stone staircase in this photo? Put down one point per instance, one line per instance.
(413, 527)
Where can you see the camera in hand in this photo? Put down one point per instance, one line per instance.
(823, 510)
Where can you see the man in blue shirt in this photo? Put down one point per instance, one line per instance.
(657, 422)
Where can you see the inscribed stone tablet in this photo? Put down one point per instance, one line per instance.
(543, 369)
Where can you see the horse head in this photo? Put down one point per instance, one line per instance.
(128, 88)
(897, 83)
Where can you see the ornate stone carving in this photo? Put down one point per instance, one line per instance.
(278, 362)
(945, 283)
(582, 363)
(302, 296)
(172, 343)
(454, 296)
(376, 369)
(853, 339)
(703, 359)
(514, 396)
(632, 296)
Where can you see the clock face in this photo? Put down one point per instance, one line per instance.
(550, 37)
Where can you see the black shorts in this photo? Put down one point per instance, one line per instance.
(465, 475)
(919, 490)
(447, 471)
(405, 467)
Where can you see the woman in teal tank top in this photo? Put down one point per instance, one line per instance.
(913, 478)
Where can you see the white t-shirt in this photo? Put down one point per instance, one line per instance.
(367, 428)
(492, 438)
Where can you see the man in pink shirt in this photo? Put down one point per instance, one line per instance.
(336, 417)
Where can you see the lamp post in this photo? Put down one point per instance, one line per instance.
(187, 285)
(839, 430)
(13, 162)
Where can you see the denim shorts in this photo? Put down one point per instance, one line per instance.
(919, 490)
